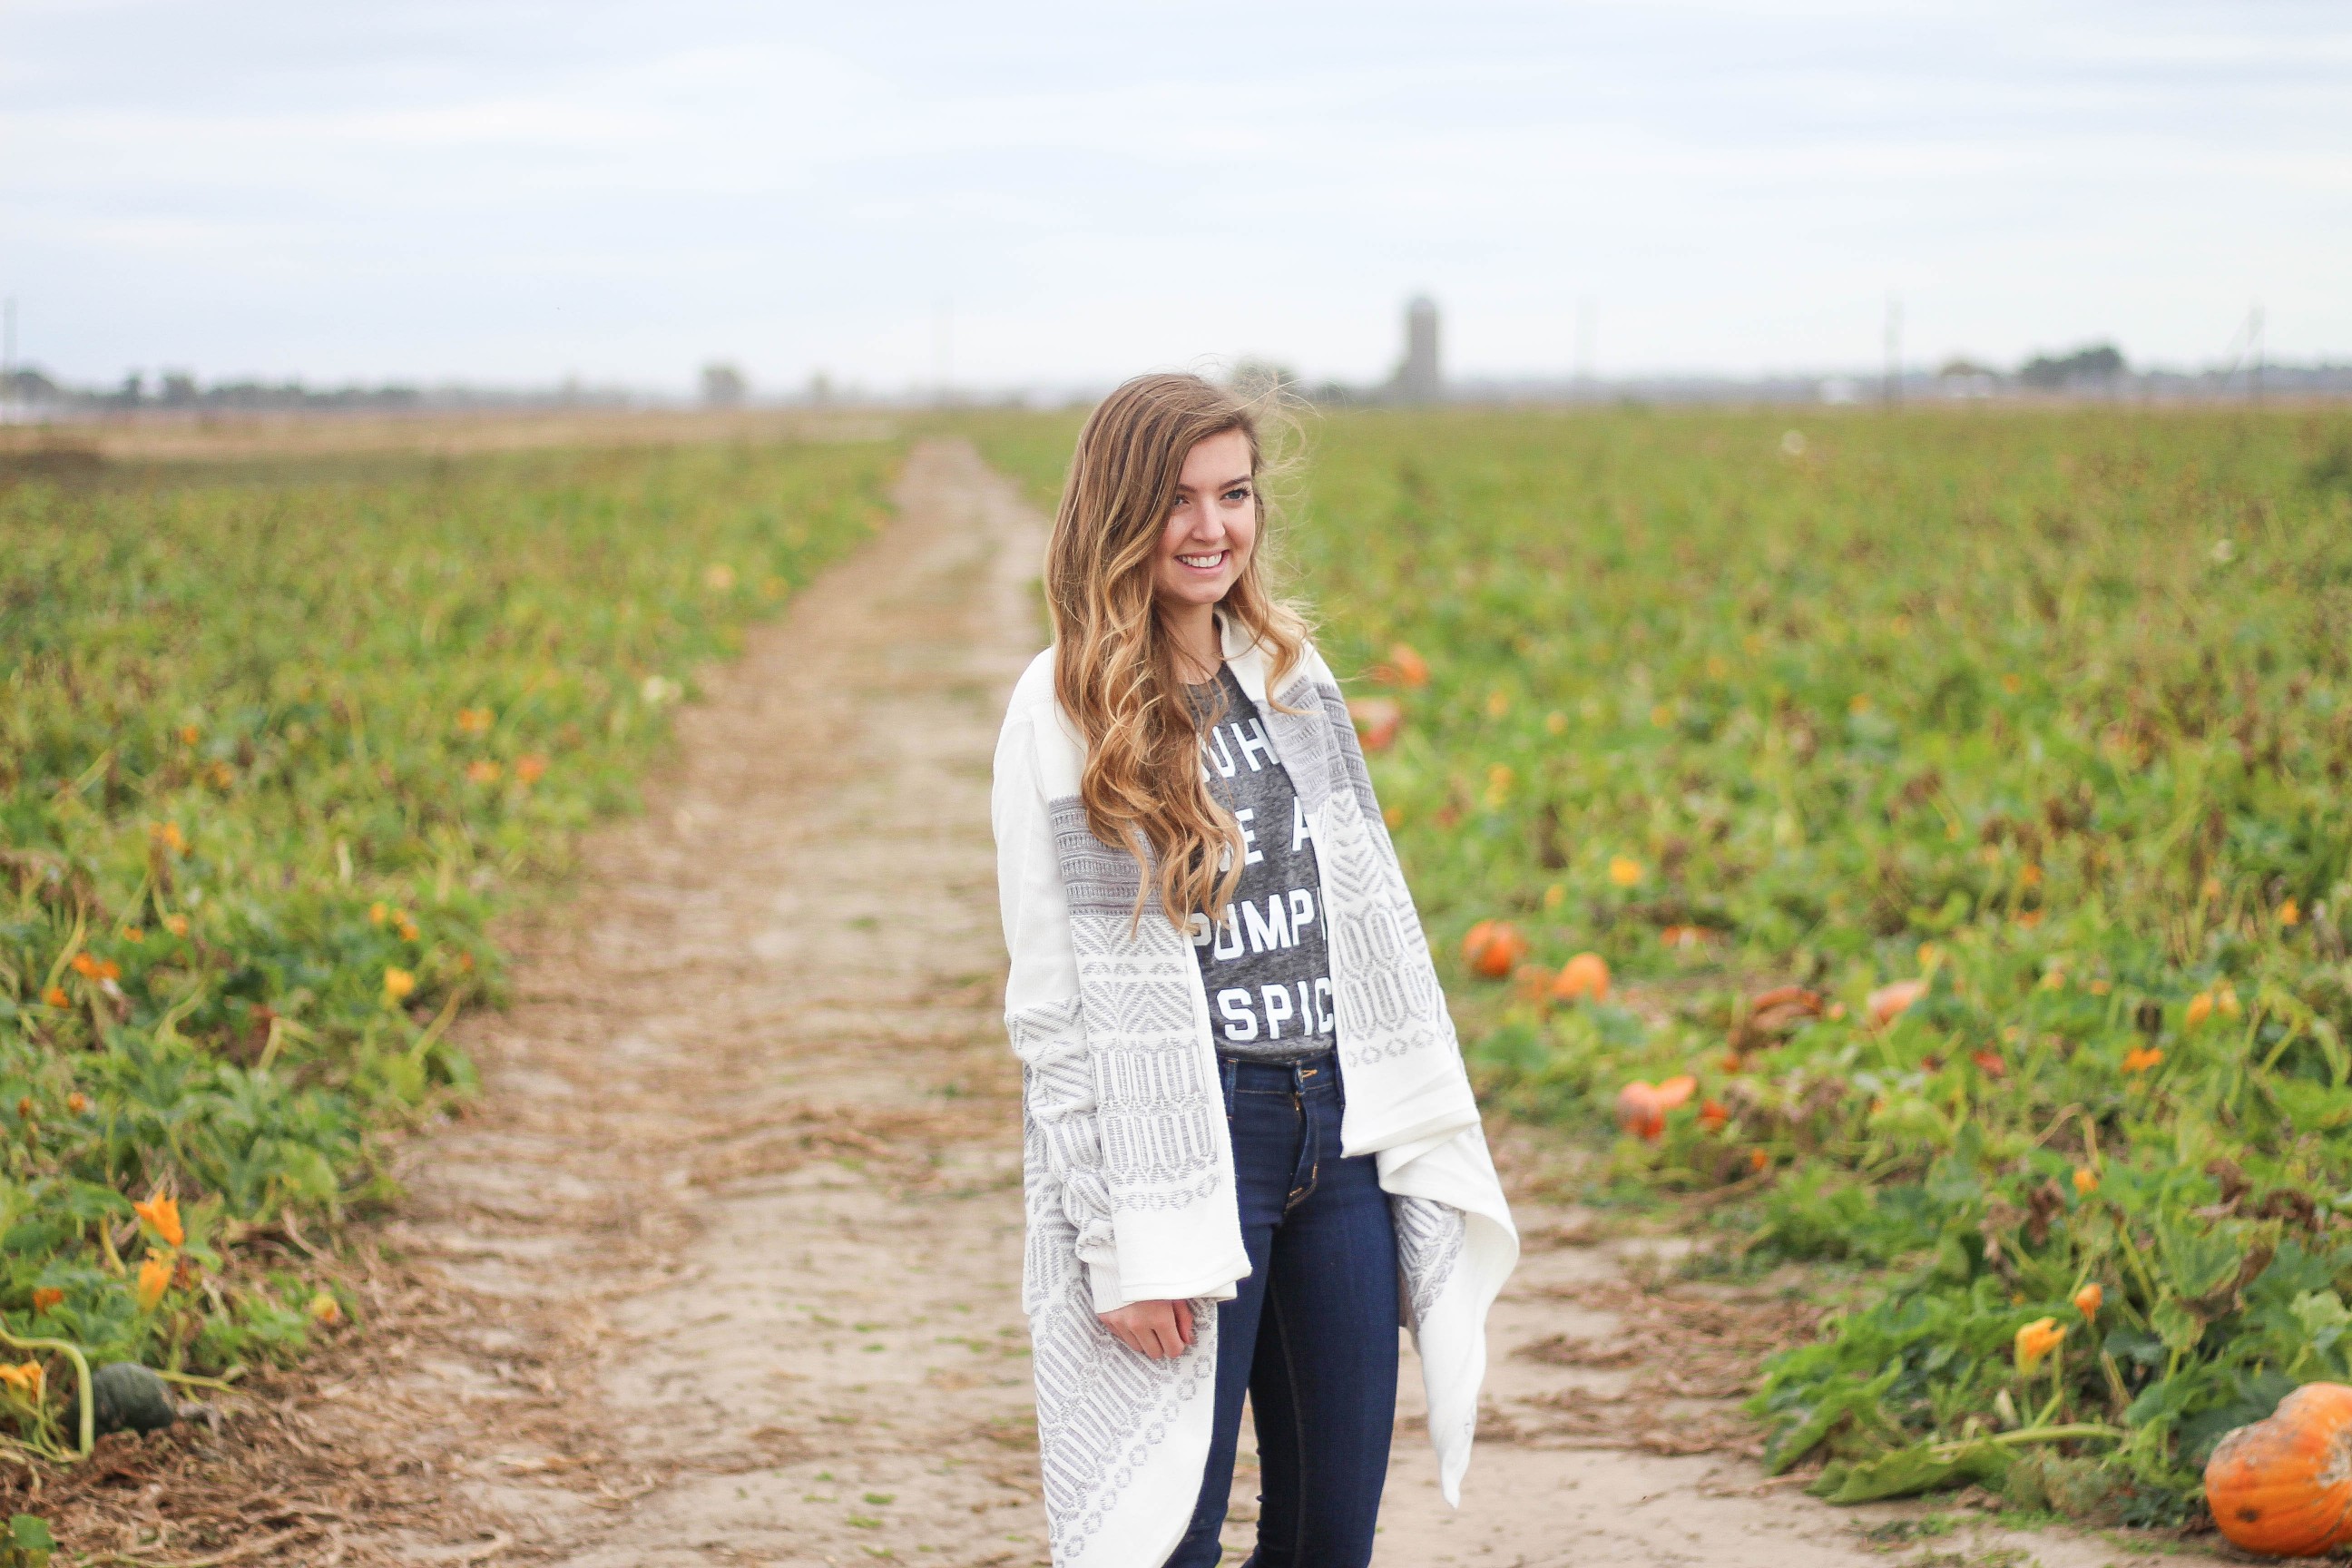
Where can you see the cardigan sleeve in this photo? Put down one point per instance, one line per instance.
(1068, 1202)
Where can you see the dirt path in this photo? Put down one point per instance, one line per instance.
(736, 1227)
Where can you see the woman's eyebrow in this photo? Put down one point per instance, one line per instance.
(1182, 488)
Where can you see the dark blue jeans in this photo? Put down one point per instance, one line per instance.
(1312, 1334)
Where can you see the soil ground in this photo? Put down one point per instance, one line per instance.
(723, 1267)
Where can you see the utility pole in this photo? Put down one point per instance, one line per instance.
(2255, 332)
(943, 348)
(1584, 338)
(1894, 353)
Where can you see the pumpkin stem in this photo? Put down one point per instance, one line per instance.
(2035, 1434)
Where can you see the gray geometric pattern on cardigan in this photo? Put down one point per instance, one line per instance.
(1101, 1407)
(1156, 1108)
(1390, 1004)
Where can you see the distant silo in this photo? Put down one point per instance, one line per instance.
(1418, 379)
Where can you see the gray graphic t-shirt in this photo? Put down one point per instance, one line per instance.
(1266, 967)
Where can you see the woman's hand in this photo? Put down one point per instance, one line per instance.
(1160, 1330)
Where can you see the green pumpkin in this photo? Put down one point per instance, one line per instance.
(126, 1398)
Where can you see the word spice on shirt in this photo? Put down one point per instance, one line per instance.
(1265, 964)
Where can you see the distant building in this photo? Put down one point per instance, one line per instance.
(1964, 378)
(723, 385)
(1419, 378)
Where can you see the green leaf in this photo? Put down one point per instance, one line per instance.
(2199, 1262)
(2175, 1325)
(1909, 1471)
(30, 1532)
(1849, 1399)
(2319, 1309)
(2314, 1107)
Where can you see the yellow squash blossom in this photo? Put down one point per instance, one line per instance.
(2035, 1341)
(1624, 870)
(397, 985)
(2089, 1299)
(25, 1378)
(155, 1278)
(161, 1214)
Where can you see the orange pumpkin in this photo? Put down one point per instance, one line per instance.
(1585, 976)
(1377, 720)
(1639, 1112)
(1889, 1003)
(2282, 1487)
(1404, 667)
(1801, 1001)
(1642, 1107)
(1492, 948)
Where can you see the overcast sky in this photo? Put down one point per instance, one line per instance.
(510, 192)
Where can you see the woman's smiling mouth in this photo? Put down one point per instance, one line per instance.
(1208, 563)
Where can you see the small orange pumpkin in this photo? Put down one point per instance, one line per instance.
(1585, 976)
(1492, 948)
(1377, 720)
(1639, 1112)
(1642, 1107)
(1404, 667)
(2282, 1487)
(1889, 1003)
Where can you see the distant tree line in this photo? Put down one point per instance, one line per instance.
(179, 390)
(2051, 373)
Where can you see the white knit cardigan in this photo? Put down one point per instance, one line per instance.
(1129, 1175)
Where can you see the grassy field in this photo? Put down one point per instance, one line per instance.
(1960, 800)
(278, 740)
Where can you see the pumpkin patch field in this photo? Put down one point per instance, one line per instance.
(1950, 815)
(276, 743)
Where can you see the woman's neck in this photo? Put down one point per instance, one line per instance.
(1193, 629)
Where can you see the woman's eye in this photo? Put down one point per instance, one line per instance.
(1238, 493)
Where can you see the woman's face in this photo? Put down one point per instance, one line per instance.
(1212, 524)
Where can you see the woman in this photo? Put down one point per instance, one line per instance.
(1248, 1194)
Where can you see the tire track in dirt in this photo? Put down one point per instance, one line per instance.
(733, 1239)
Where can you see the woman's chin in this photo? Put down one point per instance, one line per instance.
(1198, 592)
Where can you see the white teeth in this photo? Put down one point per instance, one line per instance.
(1203, 560)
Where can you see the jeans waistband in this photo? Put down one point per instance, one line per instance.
(1314, 1074)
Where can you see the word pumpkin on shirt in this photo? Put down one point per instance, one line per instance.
(1267, 965)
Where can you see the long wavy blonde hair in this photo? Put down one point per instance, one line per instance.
(1114, 662)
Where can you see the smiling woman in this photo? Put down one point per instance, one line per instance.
(1180, 803)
